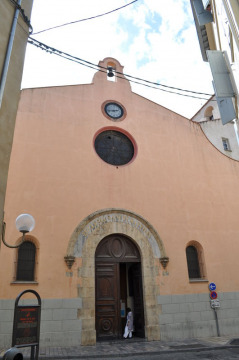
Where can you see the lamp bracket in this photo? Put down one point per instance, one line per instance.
(4, 241)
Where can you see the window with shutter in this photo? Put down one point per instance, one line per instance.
(26, 262)
(193, 263)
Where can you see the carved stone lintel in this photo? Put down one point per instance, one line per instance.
(69, 261)
(164, 261)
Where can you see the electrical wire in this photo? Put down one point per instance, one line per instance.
(90, 18)
(95, 67)
(88, 64)
(24, 16)
(147, 81)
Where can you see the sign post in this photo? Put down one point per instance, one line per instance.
(215, 304)
(26, 325)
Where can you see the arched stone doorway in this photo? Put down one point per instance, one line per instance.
(118, 285)
(82, 247)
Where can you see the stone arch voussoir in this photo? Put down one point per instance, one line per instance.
(114, 221)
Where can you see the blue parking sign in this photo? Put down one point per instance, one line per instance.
(212, 286)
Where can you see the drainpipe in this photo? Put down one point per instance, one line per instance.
(8, 53)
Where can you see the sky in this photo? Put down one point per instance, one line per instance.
(153, 39)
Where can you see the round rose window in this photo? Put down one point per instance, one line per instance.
(114, 147)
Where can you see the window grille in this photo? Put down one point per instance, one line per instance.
(193, 263)
(26, 262)
(114, 147)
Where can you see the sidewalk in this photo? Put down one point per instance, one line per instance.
(130, 347)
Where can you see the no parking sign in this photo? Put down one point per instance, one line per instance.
(213, 295)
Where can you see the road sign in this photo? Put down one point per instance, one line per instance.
(212, 286)
(215, 303)
(213, 295)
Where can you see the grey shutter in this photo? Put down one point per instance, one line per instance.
(201, 33)
(220, 73)
(226, 109)
(203, 16)
(222, 84)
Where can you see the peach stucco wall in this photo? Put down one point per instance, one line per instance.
(179, 182)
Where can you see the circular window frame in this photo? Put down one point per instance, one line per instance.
(109, 117)
(124, 132)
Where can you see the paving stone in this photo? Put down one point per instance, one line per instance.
(133, 347)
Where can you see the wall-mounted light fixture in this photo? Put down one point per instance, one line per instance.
(24, 223)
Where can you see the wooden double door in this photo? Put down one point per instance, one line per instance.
(118, 278)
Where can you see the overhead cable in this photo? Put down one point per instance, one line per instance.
(89, 18)
(24, 16)
(120, 75)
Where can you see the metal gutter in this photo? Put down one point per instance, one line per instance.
(8, 53)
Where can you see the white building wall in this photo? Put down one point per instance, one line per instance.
(224, 27)
(215, 131)
(223, 35)
(227, 42)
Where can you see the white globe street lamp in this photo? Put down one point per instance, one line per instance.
(24, 223)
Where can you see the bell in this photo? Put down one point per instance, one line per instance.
(110, 72)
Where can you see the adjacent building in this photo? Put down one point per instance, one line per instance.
(217, 25)
(133, 207)
(14, 31)
(223, 137)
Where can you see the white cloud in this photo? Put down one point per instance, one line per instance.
(165, 49)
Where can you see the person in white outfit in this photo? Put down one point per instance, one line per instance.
(129, 324)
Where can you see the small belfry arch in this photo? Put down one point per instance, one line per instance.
(83, 244)
(105, 64)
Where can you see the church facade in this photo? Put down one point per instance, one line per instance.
(134, 207)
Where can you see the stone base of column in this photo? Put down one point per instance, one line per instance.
(152, 332)
(88, 337)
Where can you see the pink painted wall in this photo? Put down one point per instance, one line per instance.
(178, 182)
